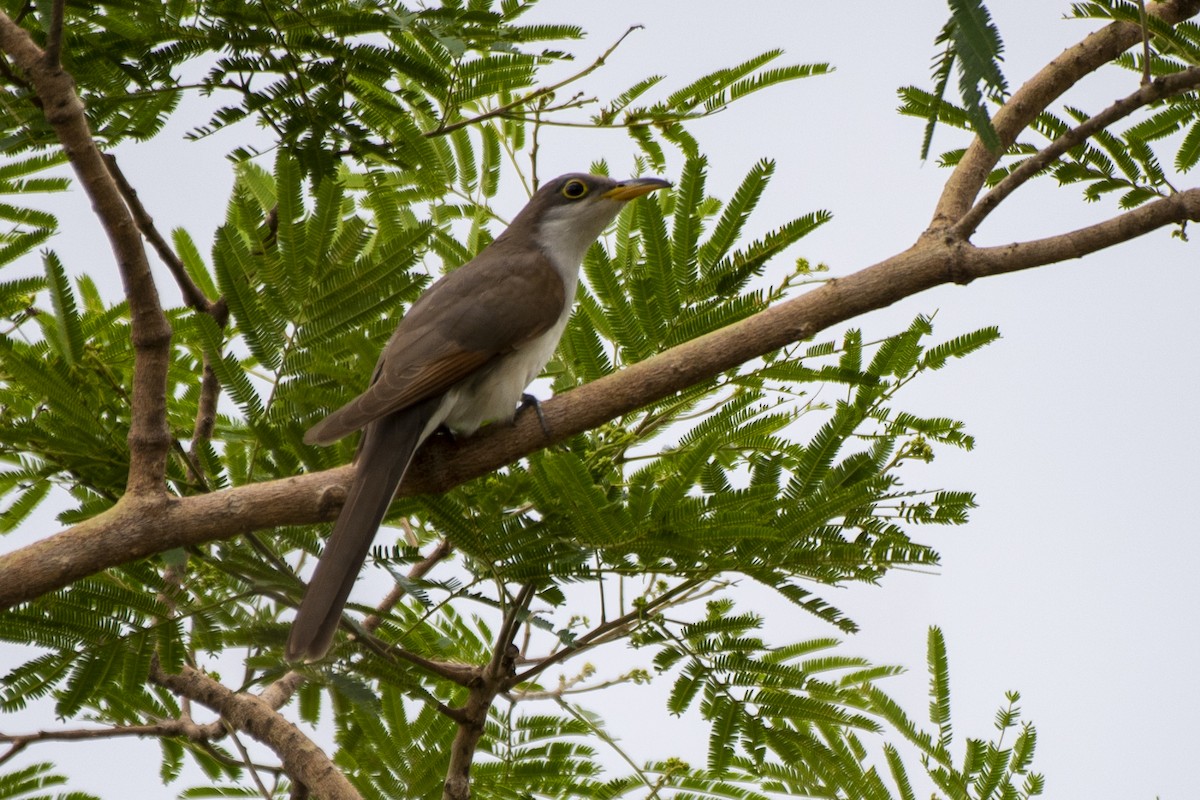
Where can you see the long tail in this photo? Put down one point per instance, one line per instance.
(387, 449)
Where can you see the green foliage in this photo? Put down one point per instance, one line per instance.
(61, 422)
(382, 83)
(702, 96)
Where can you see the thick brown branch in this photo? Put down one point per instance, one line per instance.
(1035, 96)
(280, 692)
(462, 750)
(301, 758)
(149, 440)
(1149, 93)
(139, 528)
(1176, 209)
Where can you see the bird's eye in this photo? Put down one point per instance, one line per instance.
(574, 189)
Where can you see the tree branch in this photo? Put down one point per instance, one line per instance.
(508, 630)
(301, 758)
(597, 635)
(1149, 93)
(419, 570)
(1034, 97)
(149, 438)
(174, 727)
(461, 674)
(126, 533)
(193, 295)
(1177, 208)
(206, 410)
(492, 679)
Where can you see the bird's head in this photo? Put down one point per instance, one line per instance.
(567, 214)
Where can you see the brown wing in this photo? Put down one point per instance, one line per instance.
(486, 308)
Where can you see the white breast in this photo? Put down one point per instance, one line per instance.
(492, 394)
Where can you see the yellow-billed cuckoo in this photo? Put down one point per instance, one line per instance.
(460, 357)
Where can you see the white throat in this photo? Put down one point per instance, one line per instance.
(565, 237)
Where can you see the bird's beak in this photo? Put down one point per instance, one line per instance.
(635, 187)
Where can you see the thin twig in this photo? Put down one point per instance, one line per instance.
(443, 129)
(508, 629)
(617, 126)
(54, 35)
(1146, 76)
(418, 571)
(166, 728)
(570, 687)
(599, 731)
(13, 751)
(533, 149)
(597, 635)
(249, 763)
(268, 554)
(461, 674)
(193, 295)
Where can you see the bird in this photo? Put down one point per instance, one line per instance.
(461, 356)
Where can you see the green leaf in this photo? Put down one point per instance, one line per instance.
(68, 333)
(939, 686)
(1189, 149)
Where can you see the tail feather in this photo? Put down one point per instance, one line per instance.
(387, 449)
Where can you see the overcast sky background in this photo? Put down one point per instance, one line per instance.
(1074, 581)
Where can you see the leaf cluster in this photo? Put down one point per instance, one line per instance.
(988, 769)
(30, 783)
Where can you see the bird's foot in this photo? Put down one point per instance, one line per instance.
(529, 401)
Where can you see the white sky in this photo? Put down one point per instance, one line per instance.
(1074, 579)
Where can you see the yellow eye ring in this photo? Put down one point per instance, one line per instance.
(574, 189)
